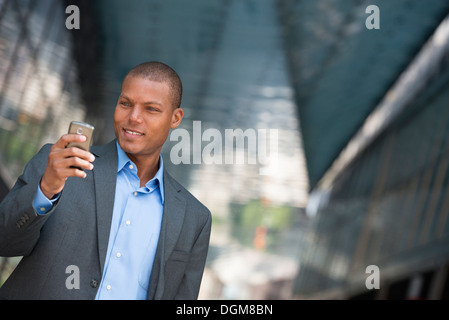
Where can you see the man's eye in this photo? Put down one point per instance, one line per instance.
(126, 104)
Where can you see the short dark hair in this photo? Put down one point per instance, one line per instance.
(160, 72)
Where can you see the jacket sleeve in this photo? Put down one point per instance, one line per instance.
(20, 225)
(190, 286)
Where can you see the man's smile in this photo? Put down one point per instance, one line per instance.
(132, 133)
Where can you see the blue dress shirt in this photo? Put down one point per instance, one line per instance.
(134, 234)
(41, 203)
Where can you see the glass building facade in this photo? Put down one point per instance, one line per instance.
(384, 201)
(39, 87)
(39, 91)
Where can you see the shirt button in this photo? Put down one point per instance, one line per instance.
(42, 209)
(118, 255)
(108, 287)
(131, 166)
(135, 193)
(128, 222)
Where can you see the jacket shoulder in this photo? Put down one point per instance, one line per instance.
(35, 167)
(192, 202)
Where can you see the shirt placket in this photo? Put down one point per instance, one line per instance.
(119, 254)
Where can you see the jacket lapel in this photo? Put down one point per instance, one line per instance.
(172, 221)
(105, 177)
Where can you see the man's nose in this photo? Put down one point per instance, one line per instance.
(136, 114)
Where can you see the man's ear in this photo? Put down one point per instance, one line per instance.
(177, 116)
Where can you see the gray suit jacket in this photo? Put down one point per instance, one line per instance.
(76, 232)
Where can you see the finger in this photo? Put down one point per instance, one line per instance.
(55, 178)
(59, 166)
(58, 154)
(79, 173)
(73, 172)
(77, 152)
(78, 163)
(68, 138)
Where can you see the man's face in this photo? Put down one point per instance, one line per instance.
(144, 116)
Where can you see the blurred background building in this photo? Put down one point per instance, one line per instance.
(353, 121)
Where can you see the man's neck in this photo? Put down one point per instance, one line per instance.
(147, 166)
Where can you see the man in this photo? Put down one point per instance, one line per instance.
(110, 223)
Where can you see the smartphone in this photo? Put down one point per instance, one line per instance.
(85, 129)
